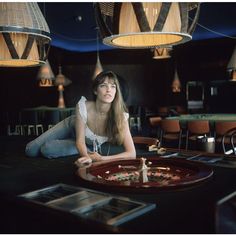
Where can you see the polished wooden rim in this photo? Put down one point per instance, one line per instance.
(192, 173)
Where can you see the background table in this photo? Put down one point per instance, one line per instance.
(212, 118)
(41, 110)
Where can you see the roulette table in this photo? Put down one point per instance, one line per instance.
(189, 209)
(145, 175)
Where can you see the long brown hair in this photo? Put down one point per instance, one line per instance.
(115, 120)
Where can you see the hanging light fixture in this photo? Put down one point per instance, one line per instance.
(61, 81)
(176, 85)
(145, 24)
(24, 35)
(45, 75)
(162, 53)
(165, 52)
(98, 67)
(231, 67)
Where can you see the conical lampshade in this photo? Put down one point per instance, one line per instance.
(45, 75)
(176, 85)
(98, 67)
(145, 24)
(24, 35)
(162, 53)
(232, 65)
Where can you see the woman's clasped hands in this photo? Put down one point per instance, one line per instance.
(93, 157)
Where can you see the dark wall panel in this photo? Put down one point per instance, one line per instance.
(147, 81)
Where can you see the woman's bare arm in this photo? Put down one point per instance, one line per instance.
(80, 134)
(129, 152)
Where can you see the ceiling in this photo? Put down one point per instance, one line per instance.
(73, 25)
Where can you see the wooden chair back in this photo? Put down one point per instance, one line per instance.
(170, 126)
(198, 127)
(171, 130)
(145, 140)
(221, 127)
(155, 121)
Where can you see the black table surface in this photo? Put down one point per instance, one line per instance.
(190, 210)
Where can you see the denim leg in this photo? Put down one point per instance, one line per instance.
(59, 148)
(63, 130)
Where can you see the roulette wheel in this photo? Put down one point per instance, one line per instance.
(145, 175)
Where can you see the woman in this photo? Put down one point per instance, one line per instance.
(95, 123)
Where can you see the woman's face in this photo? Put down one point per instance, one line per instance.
(106, 91)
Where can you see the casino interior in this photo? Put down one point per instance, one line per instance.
(176, 65)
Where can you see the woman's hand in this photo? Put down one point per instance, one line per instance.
(82, 161)
(95, 156)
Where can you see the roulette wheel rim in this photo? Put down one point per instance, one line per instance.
(97, 175)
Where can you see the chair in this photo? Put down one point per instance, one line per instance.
(30, 122)
(223, 129)
(142, 144)
(145, 140)
(196, 128)
(155, 123)
(13, 120)
(51, 118)
(170, 131)
(230, 134)
(135, 113)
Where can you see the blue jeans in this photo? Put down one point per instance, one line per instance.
(56, 142)
(59, 141)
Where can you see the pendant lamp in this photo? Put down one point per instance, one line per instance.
(162, 53)
(145, 24)
(98, 67)
(176, 85)
(24, 35)
(61, 81)
(231, 67)
(45, 75)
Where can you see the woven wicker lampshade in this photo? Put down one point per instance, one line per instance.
(162, 53)
(61, 81)
(45, 75)
(232, 65)
(24, 35)
(145, 24)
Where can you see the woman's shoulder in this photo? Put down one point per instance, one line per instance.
(82, 100)
(82, 108)
(85, 105)
(126, 115)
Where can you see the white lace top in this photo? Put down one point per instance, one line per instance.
(89, 135)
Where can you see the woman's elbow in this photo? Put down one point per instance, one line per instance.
(132, 154)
